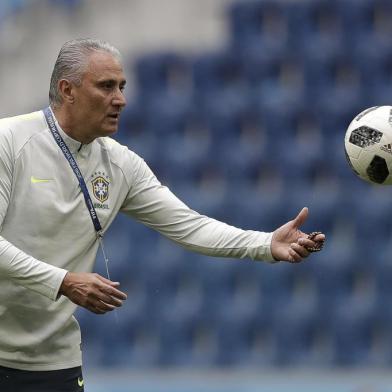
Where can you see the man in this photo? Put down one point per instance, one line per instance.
(62, 182)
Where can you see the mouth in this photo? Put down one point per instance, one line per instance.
(114, 116)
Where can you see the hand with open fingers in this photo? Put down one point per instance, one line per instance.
(290, 244)
(92, 291)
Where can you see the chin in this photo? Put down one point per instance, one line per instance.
(110, 131)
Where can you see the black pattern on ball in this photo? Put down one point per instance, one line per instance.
(377, 170)
(365, 136)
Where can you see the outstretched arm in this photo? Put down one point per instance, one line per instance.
(157, 207)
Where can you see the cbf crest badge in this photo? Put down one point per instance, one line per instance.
(100, 187)
(100, 184)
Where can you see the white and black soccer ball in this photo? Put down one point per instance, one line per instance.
(368, 145)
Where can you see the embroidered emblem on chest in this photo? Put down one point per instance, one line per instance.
(100, 188)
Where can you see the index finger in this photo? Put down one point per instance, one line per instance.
(319, 237)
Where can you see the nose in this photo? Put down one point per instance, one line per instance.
(119, 99)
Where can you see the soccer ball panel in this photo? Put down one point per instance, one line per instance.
(377, 170)
(364, 136)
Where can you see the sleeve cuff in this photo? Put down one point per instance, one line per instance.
(59, 280)
(263, 251)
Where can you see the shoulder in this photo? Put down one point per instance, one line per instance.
(118, 153)
(131, 164)
(21, 128)
(24, 121)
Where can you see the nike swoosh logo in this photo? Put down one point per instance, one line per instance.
(35, 180)
(80, 382)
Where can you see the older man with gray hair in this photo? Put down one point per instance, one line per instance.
(62, 182)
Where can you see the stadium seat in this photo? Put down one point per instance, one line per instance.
(373, 220)
(296, 327)
(259, 23)
(363, 17)
(317, 28)
(352, 325)
(216, 71)
(165, 71)
(333, 273)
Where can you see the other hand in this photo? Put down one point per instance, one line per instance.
(92, 291)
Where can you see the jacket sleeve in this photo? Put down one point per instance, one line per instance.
(156, 206)
(16, 265)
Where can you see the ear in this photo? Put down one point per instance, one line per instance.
(66, 89)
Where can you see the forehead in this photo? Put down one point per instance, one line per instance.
(103, 65)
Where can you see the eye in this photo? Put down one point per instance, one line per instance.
(108, 85)
(122, 87)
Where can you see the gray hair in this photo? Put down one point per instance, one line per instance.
(72, 63)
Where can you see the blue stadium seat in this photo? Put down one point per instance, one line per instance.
(323, 201)
(175, 341)
(167, 112)
(216, 276)
(299, 147)
(317, 29)
(243, 299)
(373, 219)
(378, 72)
(257, 208)
(204, 350)
(260, 68)
(183, 301)
(133, 343)
(296, 326)
(217, 70)
(364, 17)
(136, 134)
(260, 23)
(164, 71)
(383, 272)
(333, 272)
(282, 92)
(353, 329)
(335, 86)
(235, 344)
(260, 347)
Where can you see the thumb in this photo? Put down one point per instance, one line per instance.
(300, 219)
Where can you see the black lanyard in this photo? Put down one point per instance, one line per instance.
(72, 162)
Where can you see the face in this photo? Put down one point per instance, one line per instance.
(99, 99)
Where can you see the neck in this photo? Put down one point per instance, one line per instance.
(70, 125)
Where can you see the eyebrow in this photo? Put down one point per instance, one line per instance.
(113, 81)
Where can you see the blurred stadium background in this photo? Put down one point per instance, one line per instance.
(240, 107)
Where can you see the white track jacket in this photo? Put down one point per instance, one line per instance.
(46, 230)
